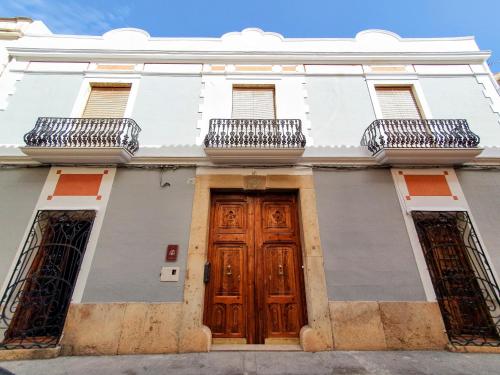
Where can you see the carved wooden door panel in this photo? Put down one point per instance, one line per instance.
(256, 285)
(279, 268)
(226, 305)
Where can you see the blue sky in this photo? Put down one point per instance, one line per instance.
(292, 18)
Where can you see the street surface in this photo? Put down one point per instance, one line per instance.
(384, 363)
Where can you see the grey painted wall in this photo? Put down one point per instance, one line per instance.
(365, 243)
(482, 191)
(462, 97)
(166, 109)
(19, 192)
(37, 95)
(141, 219)
(340, 109)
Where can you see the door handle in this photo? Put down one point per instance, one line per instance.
(280, 270)
(206, 273)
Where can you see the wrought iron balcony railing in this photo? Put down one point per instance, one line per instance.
(255, 134)
(409, 133)
(84, 132)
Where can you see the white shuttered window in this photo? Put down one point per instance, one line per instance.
(253, 103)
(398, 103)
(107, 101)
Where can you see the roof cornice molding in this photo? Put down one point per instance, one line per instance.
(156, 56)
(255, 32)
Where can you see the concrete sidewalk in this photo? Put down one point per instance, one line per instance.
(407, 363)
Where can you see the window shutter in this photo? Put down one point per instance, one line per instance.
(249, 103)
(398, 103)
(106, 102)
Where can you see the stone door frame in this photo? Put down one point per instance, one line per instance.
(196, 337)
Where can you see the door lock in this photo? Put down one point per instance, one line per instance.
(206, 273)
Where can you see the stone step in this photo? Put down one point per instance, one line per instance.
(255, 348)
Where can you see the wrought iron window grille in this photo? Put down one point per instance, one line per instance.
(84, 132)
(34, 305)
(463, 280)
(255, 133)
(418, 133)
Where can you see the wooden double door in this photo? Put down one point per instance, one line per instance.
(255, 287)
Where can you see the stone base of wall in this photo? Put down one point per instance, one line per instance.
(473, 349)
(151, 328)
(121, 328)
(23, 354)
(362, 325)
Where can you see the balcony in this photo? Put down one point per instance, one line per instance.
(427, 142)
(82, 140)
(254, 141)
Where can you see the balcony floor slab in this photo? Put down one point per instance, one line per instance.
(73, 155)
(426, 156)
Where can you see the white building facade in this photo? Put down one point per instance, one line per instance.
(183, 194)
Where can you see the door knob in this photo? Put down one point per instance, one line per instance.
(229, 272)
(280, 270)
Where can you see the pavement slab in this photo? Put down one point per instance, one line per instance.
(265, 363)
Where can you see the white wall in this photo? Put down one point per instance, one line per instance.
(216, 97)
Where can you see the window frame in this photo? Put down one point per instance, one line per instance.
(254, 87)
(86, 88)
(433, 203)
(415, 86)
(104, 85)
(379, 88)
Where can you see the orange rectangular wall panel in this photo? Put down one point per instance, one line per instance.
(254, 68)
(78, 185)
(115, 67)
(427, 185)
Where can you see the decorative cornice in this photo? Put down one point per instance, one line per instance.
(253, 32)
(276, 57)
(331, 161)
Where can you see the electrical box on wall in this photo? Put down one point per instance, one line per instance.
(169, 274)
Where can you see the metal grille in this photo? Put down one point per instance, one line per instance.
(466, 290)
(84, 132)
(417, 133)
(36, 300)
(253, 133)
